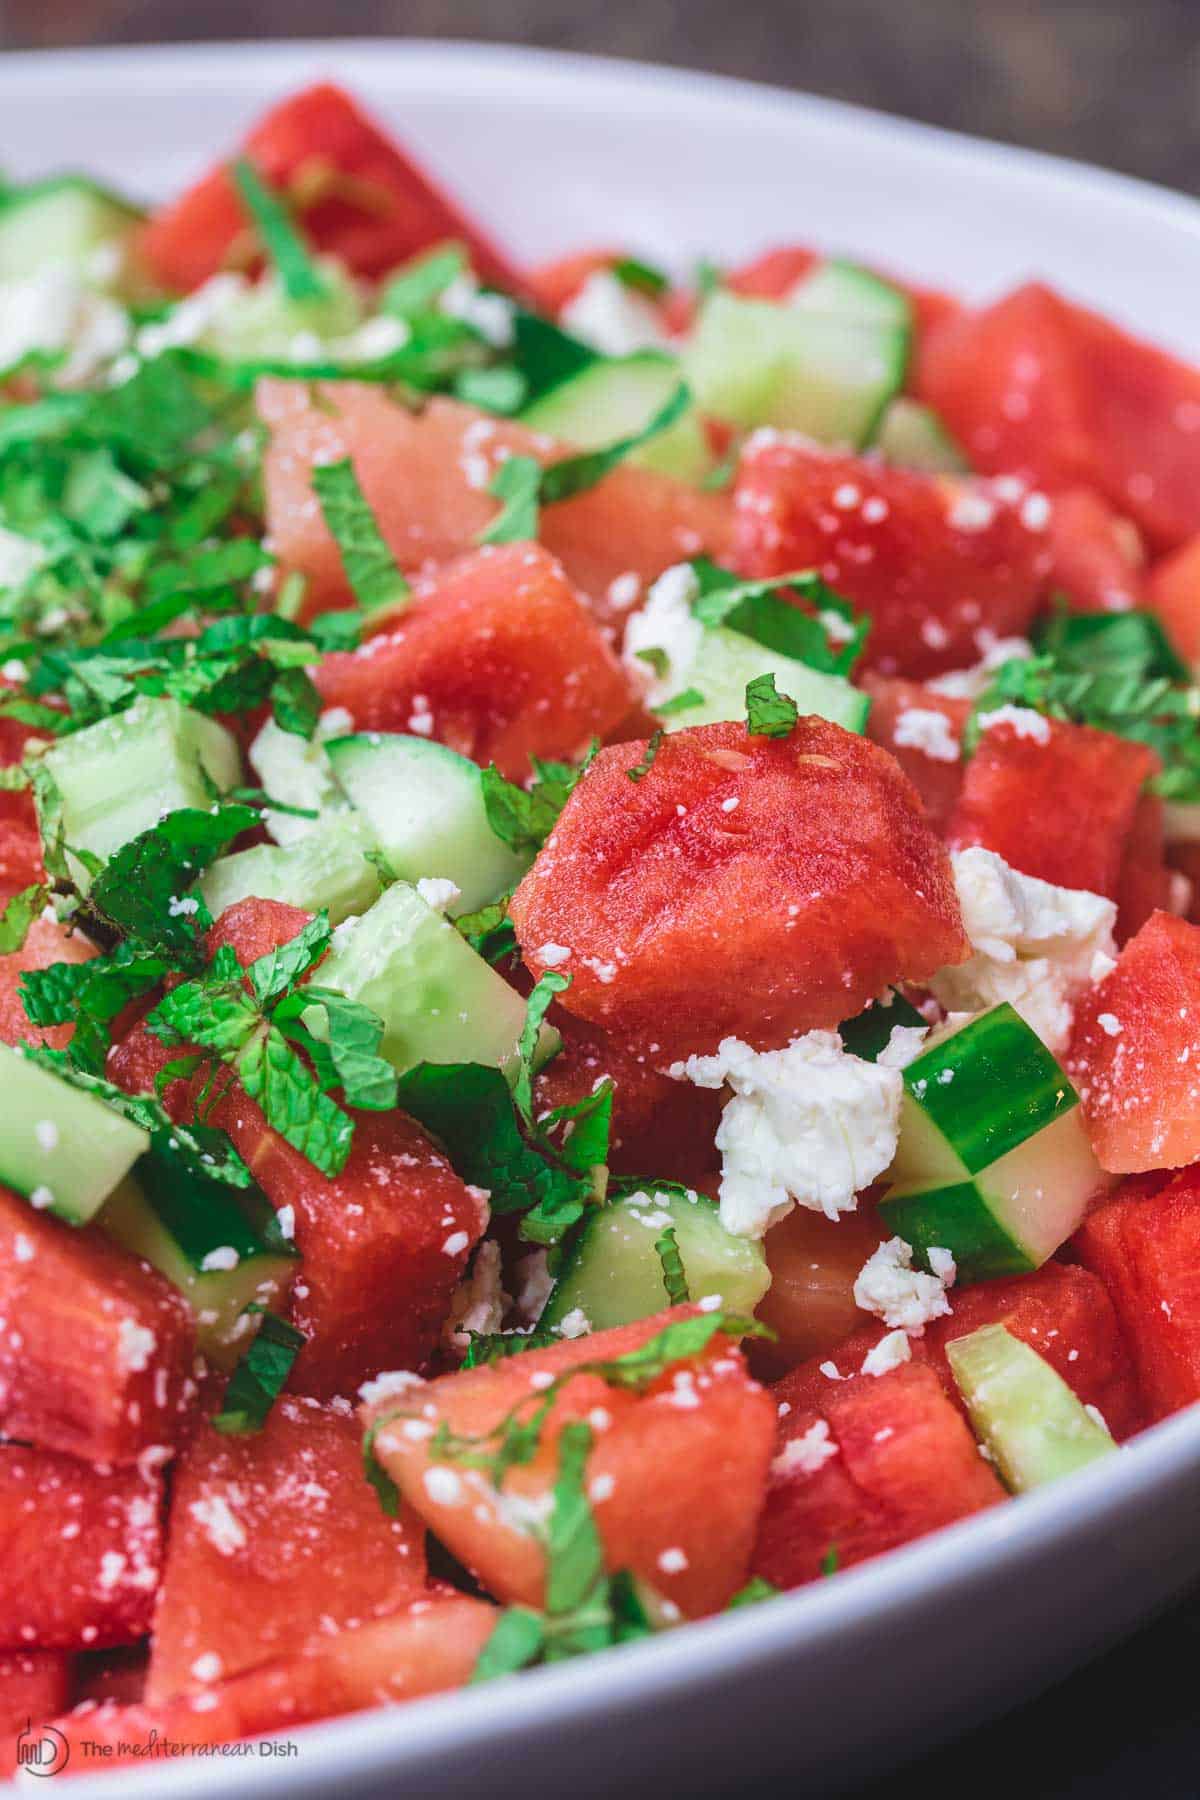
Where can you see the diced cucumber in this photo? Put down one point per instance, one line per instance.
(62, 220)
(1033, 1426)
(613, 1274)
(994, 1162)
(727, 660)
(753, 362)
(913, 436)
(261, 320)
(424, 804)
(119, 777)
(614, 397)
(63, 1149)
(296, 772)
(439, 1001)
(843, 290)
(179, 1232)
(328, 869)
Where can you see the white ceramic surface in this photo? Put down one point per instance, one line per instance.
(559, 152)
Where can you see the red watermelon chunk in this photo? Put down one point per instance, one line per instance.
(903, 721)
(45, 943)
(95, 1346)
(1144, 1244)
(272, 1538)
(814, 1263)
(34, 1685)
(743, 885)
(1054, 800)
(934, 562)
(1098, 559)
(20, 857)
(902, 1464)
(675, 1474)
(1135, 1051)
(358, 195)
(1174, 594)
(82, 1551)
(1184, 860)
(1063, 1312)
(498, 658)
(426, 476)
(1145, 885)
(1036, 385)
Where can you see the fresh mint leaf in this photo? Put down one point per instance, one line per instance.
(352, 1036)
(575, 474)
(418, 285)
(295, 702)
(641, 277)
(756, 1590)
(143, 889)
(385, 1488)
(500, 390)
(517, 483)
(829, 637)
(18, 915)
(545, 355)
(523, 818)
(768, 712)
(687, 701)
(258, 1379)
(154, 419)
(536, 1008)
(643, 766)
(273, 1074)
(498, 1346)
(516, 1642)
(489, 931)
(218, 1016)
(301, 278)
(574, 1553)
(585, 1147)
(281, 968)
(1129, 643)
(830, 1561)
(370, 567)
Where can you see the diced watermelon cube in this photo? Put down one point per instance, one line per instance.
(746, 885)
(1063, 1312)
(426, 475)
(930, 754)
(675, 1474)
(933, 561)
(1054, 800)
(82, 1550)
(1036, 385)
(1135, 1051)
(45, 943)
(1145, 884)
(902, 1463)
(498, 657)
(814, 1263)
(20, 857)
(1098, 559)
(272, 1538)
(95, 1347)
(1174, 594)
(358, 195)
(1145, 1247)
(34, 1685)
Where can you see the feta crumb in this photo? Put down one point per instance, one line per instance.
(388, 1385)
(601, 1487)
(135, 1346)
(46, 1133)
(903, 1046)
(438, 892)
(455, 1244)
(1110, 1024)
(924, 729)
(285, 1218)
(1035, 945)
(223, 1257)
(665, 624)
(551, 955)
(535, 1282)
(888, 1354)
(1024, 721)
(54, 310)
(208, 1667)
(611, 317)
(442, 1485)
(943, 1265)
(575, 1324)
(806, 1454)
(808, 1124)
(968, 684)
(480, 1302)
(673, 1561)
(903, 1297)
(23, 1250)
(182, 908)
(220, 1524)
(41, 1198)
(491, 315)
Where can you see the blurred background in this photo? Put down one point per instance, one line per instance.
(1112, 81)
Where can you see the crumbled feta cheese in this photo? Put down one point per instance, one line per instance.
(438, 892)
(135, 1346)
(611, 317)
(223, 1257)
(194, 317)
(185, 908)
(575, 1324)
(388, 1385)
(480, 1302)
(806, 1454)
(41, 1198)
(808, 1124)
(491, 315)
(888, 1354)
(1024, 722)
(673, 1561)
(46, 1133)
(54, 310)
(924, 729)
(601, 1487)
(285, 1218)
(23, 1248)
(208, 1667)
(443, 1486)
(665, 624)
(221, 1526)
(1035, 945)
(903, 1297)
(1109, 1024)
(551, 955)
(19, 558)
(535, 1282)
(942, 1264)
(455, 1244)
(968, 684)
(904, 1046)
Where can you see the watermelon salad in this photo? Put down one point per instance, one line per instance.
(599, 953)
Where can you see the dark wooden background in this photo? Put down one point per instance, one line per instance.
(1112, 81)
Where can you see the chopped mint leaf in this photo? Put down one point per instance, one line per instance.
(489, 931)
(658, 660)
(351, 1036)
(295, 702)
(576, 1587)
(143, 889)
(829, 1562)
(684, 702)
(516, 1641)
(517, 482)
(1129, 643)
(768, 712)
(642, 768)
(18, 915)
(500, 390)
(536, 1008)
(563, 480)
(756, 1590)
(762, 610)
(498, 1346)
(376, 1474)
(370, 567)
(417, 286)
(274, 1075)
(585, 1148)
(217, 1015)
(90, 995)
(258, 1379)
(642, 277)
(301, 279)
(154, 419)
(544, 354)
(281, 968)
(869, 1032)
(523, 818)
(674, 1279)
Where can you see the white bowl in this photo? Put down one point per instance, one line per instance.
(558, 152)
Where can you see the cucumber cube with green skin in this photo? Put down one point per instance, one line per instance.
(994, 1162)
(728, 660)
(843, 290)
(439, 1001)
(1034, 1428)
(221, 1247)
(63, 220)
(424, 804)
(328, 869)
(826, 374)
(613, 1274)
(615, 397)
(61, 1148)
(296, 772)
(119, 777)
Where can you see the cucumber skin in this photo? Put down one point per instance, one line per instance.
(957, 1218)
(1025, 1413)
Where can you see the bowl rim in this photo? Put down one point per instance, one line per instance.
(389, 1741)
